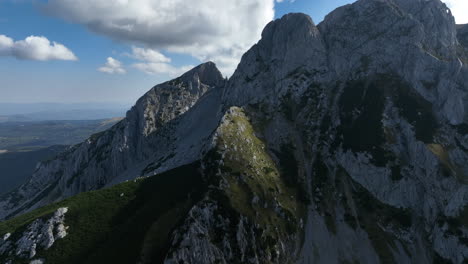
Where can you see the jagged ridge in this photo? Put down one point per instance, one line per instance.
(150, 133)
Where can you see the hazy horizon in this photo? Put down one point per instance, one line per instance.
(17, 112)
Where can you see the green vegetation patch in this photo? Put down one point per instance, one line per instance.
(113, 225)
(245, 155)
(253, 186)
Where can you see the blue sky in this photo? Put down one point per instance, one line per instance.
(80, 74)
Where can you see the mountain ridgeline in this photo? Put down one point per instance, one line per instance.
(343, 142)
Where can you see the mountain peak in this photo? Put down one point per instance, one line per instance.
(206, 73)
(168, 100)
(290, 43)
(291, 22)
(290, 28)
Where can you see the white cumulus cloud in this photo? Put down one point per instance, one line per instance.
(34, 48)
(459, 10)
(6, 45)
(217, 30)
(148, 55)
(154, 62)
(161, 68)
(112, 66)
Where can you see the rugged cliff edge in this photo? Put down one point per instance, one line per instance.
(163, 130)
(341, 142)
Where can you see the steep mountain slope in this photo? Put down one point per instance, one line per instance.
(152, 136)
(344, 142)
(96, 223)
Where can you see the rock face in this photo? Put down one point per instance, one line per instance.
(415, 40)
(287, 45)
(39, 235)
(341, 142)
(462, 34)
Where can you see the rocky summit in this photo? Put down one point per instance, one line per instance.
(342, 142)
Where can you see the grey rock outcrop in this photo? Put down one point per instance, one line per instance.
(288, 46)
(414, 39)
(40, 234)
(462, 35)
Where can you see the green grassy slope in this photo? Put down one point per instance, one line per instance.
(252, 192)
(105, 227)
